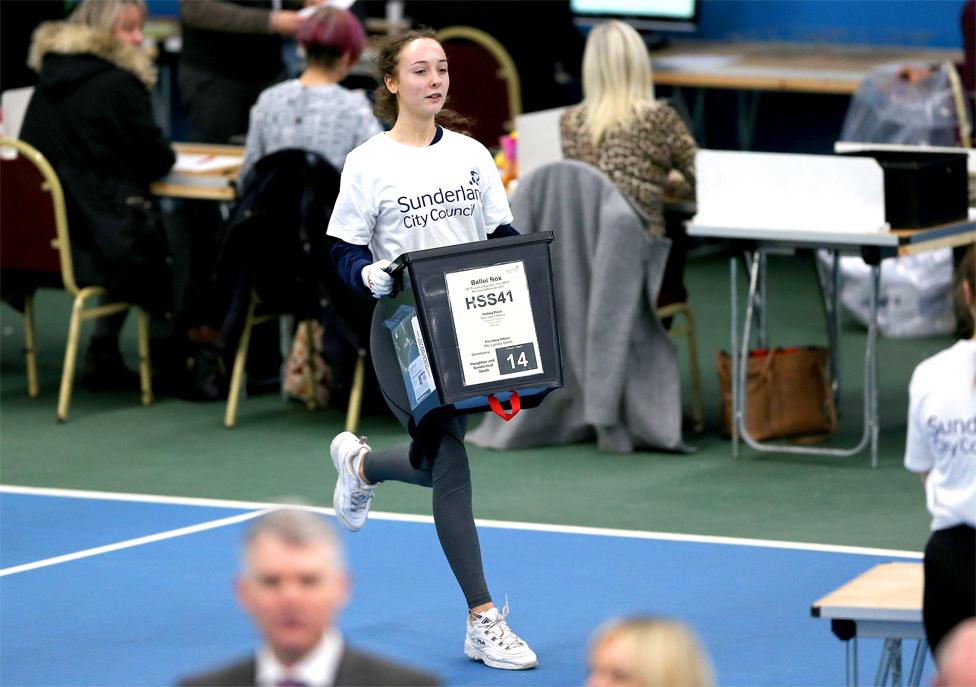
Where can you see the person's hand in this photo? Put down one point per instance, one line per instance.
(285, 22)
(377, 279)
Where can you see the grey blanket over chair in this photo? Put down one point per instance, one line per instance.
(619, 366)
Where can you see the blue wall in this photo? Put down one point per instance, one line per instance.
(932, 23)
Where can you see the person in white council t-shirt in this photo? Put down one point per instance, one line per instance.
(941, 447)
(418, 186)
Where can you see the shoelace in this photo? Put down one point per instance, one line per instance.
(501, 627)
(359, 499)
(361, 496)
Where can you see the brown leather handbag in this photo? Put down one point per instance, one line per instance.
(788, 393)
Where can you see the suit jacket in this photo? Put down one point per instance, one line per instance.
(356, 669)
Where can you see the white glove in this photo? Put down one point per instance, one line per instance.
(377, 280)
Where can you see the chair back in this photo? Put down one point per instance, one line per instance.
(34, 235)
(620, 371)
(276, 232)
(14, 103)
(488, 90)
(539, 139)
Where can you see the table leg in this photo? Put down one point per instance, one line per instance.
(890, 663)
(884, 664)
(896, 663)
(834, 329)
(852, 662)
(762, 333)
(869, 433)
(918, 662)
(733, 354)
(827, 280)
(871, 366)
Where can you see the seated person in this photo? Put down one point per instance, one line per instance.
(314, 112)
(647, 652)
(641, 144)
(91, 117)
(311, 113)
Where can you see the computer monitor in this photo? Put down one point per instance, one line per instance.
(643, 15)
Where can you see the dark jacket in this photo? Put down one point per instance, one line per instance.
(355, 669)
(276, 232)
(232, 38)
(91, 117)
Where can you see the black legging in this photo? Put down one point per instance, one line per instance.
(435, 457)
(950, 581)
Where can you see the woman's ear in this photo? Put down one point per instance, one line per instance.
(390, 84)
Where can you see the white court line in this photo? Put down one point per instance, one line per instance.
(500, 524)
(129, 543)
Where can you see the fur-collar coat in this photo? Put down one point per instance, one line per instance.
(91, 116)
(65, 38)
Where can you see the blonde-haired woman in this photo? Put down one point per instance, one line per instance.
(91, 116)
(647, 652)
(640, 143)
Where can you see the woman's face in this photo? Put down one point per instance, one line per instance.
(128, 25)
(611, 665)
(421, 81)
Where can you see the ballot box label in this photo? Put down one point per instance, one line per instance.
(492, 314)
(411, 353)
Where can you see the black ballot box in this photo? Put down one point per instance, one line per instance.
(922, 188)
(474, 325)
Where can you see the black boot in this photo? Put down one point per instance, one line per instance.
(103, 369)
(205, 376)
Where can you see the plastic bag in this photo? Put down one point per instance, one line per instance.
(890, 109)
(915, 297)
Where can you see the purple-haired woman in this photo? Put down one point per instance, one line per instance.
(314, 112)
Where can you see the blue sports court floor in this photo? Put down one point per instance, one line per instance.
(111, 589)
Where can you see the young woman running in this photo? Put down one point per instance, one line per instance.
(419, 186)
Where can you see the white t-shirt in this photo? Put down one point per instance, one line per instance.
(942, 433)
(397, 198)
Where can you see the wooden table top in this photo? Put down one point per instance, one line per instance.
(888, 591)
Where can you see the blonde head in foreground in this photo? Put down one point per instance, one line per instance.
(647, 652)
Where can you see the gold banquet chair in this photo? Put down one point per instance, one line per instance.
(491, 92)
(256, 317)
(34, 221)
(687, 329)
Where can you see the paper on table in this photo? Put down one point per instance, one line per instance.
(694, 63)
(820, 193)
(338, 4)
(205, 163)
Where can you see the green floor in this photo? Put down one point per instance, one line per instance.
(278, 451)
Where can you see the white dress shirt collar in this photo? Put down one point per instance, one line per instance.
(317, 669)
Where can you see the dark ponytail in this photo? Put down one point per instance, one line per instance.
(966, 312)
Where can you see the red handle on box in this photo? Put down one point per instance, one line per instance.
(496, 406)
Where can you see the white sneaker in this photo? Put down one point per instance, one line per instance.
(352, 496)
(490, 640)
